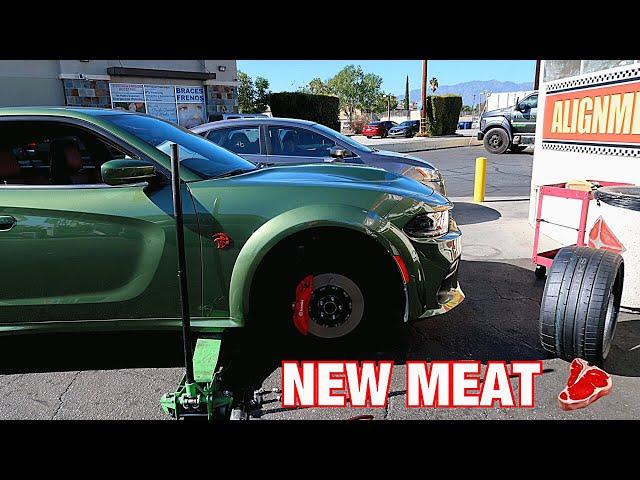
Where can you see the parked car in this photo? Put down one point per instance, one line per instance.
(88, 235)
(406, 129)
(281, 141)
(511, 128)
(378, 129)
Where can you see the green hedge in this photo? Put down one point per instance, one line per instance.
(323, 109)
(443, 113)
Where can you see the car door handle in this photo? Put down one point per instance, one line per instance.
(7, 222)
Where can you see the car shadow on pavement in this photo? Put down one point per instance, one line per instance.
(624, 358)
(469, 213)
(89, 351)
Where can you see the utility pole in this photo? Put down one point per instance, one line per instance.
(536, 79)
(407, 105)
(473, 107)
(423, 111)
(389, 107)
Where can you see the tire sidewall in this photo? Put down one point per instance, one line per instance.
(504, 145)
(575, 302)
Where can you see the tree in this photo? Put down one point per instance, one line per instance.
(372, 99)
(406, 94)
(385, 100)
(355, 89)
(347, 86)
(433, 83)
(252, 97)
(317, 87)
(261, 98)
(245, 92)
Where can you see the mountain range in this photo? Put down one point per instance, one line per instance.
(468, 89)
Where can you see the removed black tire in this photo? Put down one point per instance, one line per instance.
(581, 302)
(496, 140)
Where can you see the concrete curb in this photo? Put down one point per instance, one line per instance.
(421, 144)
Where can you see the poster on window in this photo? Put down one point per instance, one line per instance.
(160, 93)
(125, 96)
(166, 111)
(190, 101)
(180, 104)
(161, 101)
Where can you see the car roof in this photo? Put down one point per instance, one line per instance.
(251, 121)
(63, 111)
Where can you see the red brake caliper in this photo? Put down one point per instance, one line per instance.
(304, 290)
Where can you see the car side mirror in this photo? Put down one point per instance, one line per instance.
(339, 152)
(123, 171)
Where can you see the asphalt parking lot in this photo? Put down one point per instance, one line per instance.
(122, 376)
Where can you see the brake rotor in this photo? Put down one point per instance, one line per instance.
(336, 306)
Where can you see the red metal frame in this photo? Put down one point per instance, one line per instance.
(545, 259)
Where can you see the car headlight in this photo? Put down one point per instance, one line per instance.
(432, 178)
(483, 123)
(428, 225)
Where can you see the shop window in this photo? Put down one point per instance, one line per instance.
(589, 66)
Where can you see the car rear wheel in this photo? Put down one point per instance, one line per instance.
(496, 141)
(368, 136)
(581, 302)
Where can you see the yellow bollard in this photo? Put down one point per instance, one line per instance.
(481, 179)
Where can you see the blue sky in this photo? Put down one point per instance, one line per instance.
(288, 75)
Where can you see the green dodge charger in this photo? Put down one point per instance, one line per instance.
(322, 251)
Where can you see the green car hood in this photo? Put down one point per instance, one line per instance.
(349, 179)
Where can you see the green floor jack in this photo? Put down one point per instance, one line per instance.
(199, 393)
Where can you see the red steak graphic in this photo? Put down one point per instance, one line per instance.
(585, 385)
(602, 237)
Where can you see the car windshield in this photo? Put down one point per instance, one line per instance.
(201, 156)
(343, 138)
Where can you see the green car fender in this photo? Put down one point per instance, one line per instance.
(312, 216)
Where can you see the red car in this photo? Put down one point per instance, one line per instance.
(378, 129)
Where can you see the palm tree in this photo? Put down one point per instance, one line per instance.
(433, 83)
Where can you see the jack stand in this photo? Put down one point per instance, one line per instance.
(198, 394)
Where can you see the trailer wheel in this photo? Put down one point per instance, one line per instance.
(581, 302)
(496, 140)
(541, 272)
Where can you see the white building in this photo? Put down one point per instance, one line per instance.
(588, 128)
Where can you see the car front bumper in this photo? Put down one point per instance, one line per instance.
(398, 133)
(432, 265)
(480, 135)
(441, 261)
